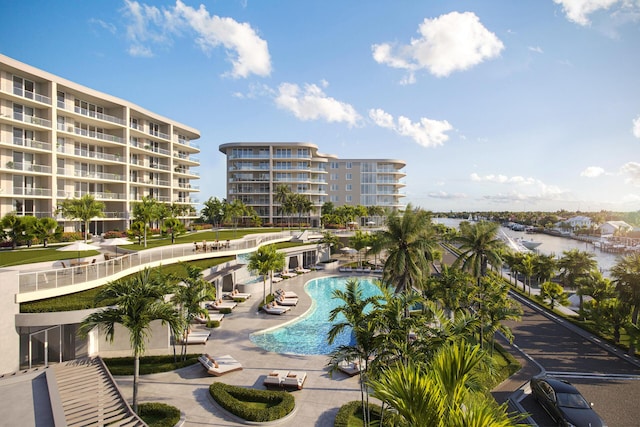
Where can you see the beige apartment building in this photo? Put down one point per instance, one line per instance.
(256, 169)
(60, 140)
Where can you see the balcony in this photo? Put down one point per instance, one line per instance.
(26, 94)
(98, 175)
(98, 156)
(31, 143)
(28, 167)
(248, 156)
(155, 182)
(34, 120)
(99, 116)
(187, 157)
(30, 191)
(188, 143)
(188, 186)
(159, 134)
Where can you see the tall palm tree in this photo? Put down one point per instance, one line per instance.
(574, 264)
(354, 314)
(626, 275)
(83, 209)
(134, 304)
(479, 246)
(264, 261)
(410, 246)
(190, 295)
(146, 211)
(445, 392)
(281, 196)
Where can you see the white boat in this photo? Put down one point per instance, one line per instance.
(530, 244)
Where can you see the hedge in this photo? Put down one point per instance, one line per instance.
(159, 414)
(148, 364)
(234, 399)
(352, 410)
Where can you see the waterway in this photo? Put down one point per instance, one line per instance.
(551, 245)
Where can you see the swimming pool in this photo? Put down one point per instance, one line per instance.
(308, 334)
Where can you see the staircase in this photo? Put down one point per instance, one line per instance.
(88, 395)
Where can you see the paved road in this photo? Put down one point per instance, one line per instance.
(560, 349)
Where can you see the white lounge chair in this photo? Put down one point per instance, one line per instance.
(286, 301)
(219, 365)
(236, 294)
(212, 316)
(349, 368)
(219, 304)
(277, 279)
(294, 380)
(275, 378)
(274, 310)
(286, 294)
(196, 338)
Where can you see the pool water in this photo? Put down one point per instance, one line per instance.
(308, 334)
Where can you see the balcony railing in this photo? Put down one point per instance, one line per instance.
(32, 120)
(23, 142)
(98, 175)
(28, 167)
(63, 279)
(31, 95)
(97, 155)
(92, 134)
(30, 191)
(159, 134)
(99, 116)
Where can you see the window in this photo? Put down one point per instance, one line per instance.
(348, 187)
(304, 152)
(334, 199)
(334, 187)
(283, 152)
(335, 165)
(334, 177)
(349, 165)
(349, 177)
(348, 199)
(154, 128)
(61, 98)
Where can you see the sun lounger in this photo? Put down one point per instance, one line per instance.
(212, 316)
(302, 270)
(236, 294)
(349, 368)
(275, 378)
(274, 310)
(286, 294)
(286, 301)
(277, 279)
(219, 365)
(294, 380)
(218, 305)
(196, 338)
(288, 275)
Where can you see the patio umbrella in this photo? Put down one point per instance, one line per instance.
(78, 246)
(116, 241)
(348, 250)
(371, 223)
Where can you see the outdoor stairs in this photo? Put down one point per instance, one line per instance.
(89, 395)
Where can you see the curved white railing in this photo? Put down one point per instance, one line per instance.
(60, 281)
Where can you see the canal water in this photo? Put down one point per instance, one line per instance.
(551, 244)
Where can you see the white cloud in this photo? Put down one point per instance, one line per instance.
(452, 42)
(149, 25)
(529, 190)
(632, 170)
(503, 179)
(446, 196)
(105, 25)
(536, 49)
(311, 103)
(426, 132)
(636, 127)
(593, 172)
(578, 10)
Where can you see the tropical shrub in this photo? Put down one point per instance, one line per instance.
(112, 234)
(277, 404)
(159, 414)
(350, 414)
(213, 324)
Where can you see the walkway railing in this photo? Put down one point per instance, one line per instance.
(33, 281)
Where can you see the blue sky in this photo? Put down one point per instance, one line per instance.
(494, 104)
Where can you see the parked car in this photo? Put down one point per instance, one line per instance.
(564, 403)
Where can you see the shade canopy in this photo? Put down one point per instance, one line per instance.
(78, 246)
(348, 250)
(116, 241)
(371, 223)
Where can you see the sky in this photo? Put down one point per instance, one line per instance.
(495, 105)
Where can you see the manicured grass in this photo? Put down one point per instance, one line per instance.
(34, 255)
(252, 404)
(159, 414)
(86, 299)
(149, 364)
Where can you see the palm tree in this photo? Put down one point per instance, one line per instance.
(445, 392)
(301, 205)
(146, 211)
(83, 209)
(190, 295)
(281, 196)
(626, 275)
(331, 240)
(264, 261)
(575, 264)
(498, 307)
(545, 267)
(410, 246)
(555, 293)
(528, 267)
(353, 314)
(451, 288)
(479, 246)
(44, 229)
(134, 304)
(14, 225)
(173, 226)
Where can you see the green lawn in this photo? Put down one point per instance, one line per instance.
(27, 256)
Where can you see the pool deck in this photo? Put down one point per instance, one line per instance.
(187, 389)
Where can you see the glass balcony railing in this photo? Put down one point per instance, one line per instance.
(23, 142)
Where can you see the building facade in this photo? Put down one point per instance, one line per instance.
(60, 140)
(255, 170)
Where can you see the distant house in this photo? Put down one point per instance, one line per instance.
(613, 227)
(579, 222)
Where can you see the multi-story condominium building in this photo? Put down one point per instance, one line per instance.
(256, 169)
(60, 140)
